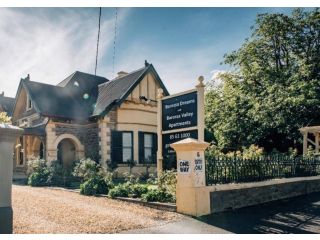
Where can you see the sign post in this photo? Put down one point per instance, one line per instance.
(159, 133)
(180, 116)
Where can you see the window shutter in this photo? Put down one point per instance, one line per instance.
(141, 147)
(116, 146)
(154, 147)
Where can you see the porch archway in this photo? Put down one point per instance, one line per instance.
(69, 149)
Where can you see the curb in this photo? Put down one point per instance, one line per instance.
(157, 205)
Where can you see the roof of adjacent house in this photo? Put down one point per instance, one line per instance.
(73, 98)
(117, 90)
(6, 104)
(82, 95)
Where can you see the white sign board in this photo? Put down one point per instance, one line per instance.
(184, 166)
(198, 165)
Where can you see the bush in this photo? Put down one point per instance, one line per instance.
(157, 195)
(39, 178)
(167, 182)
(137, 190)
(93, 186)
(119, 191)
(86, 169)
(36, 165)
(59, 175)
(39, 173)
(152, 179)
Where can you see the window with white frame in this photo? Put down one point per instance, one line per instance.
(121, 146)
(127, 147)
(29, 103)
(147, 147)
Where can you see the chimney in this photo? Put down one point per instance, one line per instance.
(122, 74)
(2, 94)
(27, 78)
(146, 64)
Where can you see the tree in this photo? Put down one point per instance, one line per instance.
(4, 118)
(273, 88)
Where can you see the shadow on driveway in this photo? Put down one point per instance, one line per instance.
(295, 215)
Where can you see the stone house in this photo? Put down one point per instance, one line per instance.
(110, 121)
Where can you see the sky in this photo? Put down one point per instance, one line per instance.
(181, 43)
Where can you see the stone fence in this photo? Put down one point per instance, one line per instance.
(196, 199)
(232, 196)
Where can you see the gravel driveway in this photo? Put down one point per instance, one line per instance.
(45, 210)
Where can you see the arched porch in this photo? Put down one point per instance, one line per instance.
(68, 149)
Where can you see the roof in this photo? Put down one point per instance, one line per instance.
(7, 103)
(37, 130)
(116, 91)
(73, 98)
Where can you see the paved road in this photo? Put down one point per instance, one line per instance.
(297, 215)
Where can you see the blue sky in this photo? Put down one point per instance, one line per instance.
(182, 43)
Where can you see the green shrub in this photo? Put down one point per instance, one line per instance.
(167, 182)
(152, 180)
(36, 165)
(157, 195)
(93, 186)
(39, 178)
(86, 169)
(136, 190)
(119, 191)
(130, 178)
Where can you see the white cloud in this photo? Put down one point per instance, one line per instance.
(215, 78)
(49, 45)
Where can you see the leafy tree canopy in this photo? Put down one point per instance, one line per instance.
(4, 118)
(273, 88)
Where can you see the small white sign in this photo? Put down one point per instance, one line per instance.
(184, 166)
(198, 165)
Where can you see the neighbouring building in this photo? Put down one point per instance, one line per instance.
(89, 116)
(6, 104)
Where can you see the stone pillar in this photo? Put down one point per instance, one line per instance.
(191, 196)
(201, 125)
(51, 151)
(105, 140)
(8, 136)
(159, 132)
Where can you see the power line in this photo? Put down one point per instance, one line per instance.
(114, 41)
(95, 70)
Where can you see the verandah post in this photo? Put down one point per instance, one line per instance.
(159, 132)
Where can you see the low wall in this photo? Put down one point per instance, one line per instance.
(233, 196)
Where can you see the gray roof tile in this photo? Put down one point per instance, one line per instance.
(7, 103)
